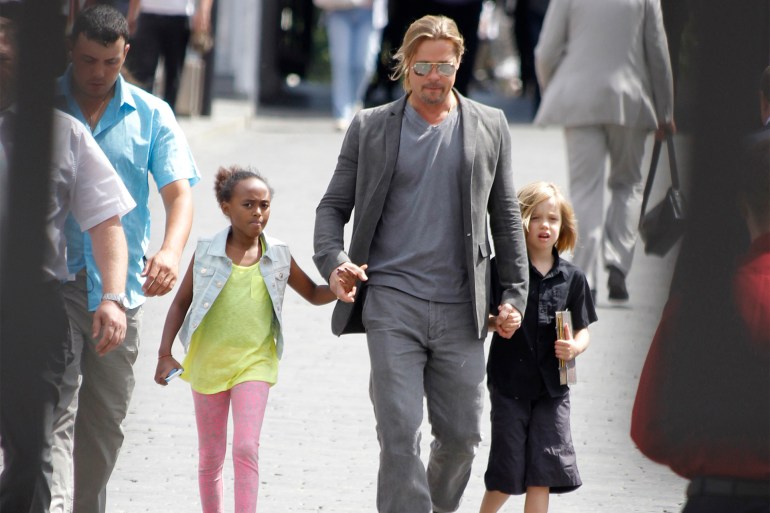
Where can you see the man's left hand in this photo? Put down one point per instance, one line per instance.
(161, 273)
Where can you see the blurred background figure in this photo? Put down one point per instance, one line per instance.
(54, 168)
(606, 76)
(528, 16)
(381, 88)
(161, 29)
(712, 424)
(354, 29)
(703, 403)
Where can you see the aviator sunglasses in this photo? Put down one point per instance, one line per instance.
(446, 69)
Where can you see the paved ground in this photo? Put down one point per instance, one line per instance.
(319, 451)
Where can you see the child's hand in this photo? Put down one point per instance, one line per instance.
(565, 348)
(165, 365)
(507, 321)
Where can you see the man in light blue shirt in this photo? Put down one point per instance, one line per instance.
(140, 136)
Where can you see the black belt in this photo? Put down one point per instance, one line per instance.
(728, 487)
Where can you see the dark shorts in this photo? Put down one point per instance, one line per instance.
(531, 445)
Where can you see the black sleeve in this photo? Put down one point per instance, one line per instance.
(580, 302)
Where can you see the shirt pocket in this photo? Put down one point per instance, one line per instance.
(276, 278)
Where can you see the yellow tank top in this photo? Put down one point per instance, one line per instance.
(235, 342)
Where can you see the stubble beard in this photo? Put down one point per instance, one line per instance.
(433, 99)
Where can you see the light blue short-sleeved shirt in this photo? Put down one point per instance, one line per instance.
(140, 136)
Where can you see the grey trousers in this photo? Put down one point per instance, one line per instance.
(94, 401)
(615, 233)
(422, 349)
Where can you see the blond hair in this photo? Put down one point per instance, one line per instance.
(535, 193)
(426, 28)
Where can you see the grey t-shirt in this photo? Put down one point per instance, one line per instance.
(418, 244)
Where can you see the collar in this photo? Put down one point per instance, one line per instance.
(122, 93)
(219, 243)
(398, 106)
(556, 269)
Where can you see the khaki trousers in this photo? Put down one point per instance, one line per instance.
(615, 232)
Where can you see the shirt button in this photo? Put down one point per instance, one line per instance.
(195, 325)
(467, 234)
(219, 284)
(205, 305)
(203, 270)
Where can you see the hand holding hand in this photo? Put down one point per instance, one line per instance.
(343, 279)
(110, 321)
(161, 273)
(508, 320)
(565, 348)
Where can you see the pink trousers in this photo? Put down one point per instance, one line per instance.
(249, 400)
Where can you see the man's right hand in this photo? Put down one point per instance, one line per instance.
(110, 321)
(343, 279)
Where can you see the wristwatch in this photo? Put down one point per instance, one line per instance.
(120, 299)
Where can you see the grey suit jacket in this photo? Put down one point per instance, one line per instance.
(604, 62)
(365, 167)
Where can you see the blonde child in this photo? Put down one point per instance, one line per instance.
(531, 450)
(229, 310)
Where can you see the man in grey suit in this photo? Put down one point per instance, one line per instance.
(425, 174)
(605, 72)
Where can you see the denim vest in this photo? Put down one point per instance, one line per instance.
(211, 270)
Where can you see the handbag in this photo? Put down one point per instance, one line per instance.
(663, 225)
(337, 5)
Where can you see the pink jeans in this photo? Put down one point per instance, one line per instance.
(249, 400)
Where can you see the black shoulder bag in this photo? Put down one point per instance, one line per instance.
(662, 226)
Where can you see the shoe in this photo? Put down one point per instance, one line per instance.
(616, 283)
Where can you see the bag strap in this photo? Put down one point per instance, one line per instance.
(654, 165)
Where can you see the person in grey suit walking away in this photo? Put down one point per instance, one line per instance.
(426, 174)
(605, 72)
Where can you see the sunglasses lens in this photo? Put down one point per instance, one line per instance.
(444, 68)
(422, 68)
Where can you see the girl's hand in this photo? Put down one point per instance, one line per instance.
(165, 365)
(566, 349)
(507, 321)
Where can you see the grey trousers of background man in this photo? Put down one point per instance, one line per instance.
(615, 233)
(87, 425)
(421, 348)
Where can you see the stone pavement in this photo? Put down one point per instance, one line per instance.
(319, 451)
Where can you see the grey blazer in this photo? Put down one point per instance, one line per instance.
(365, 167)
(604, 62)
